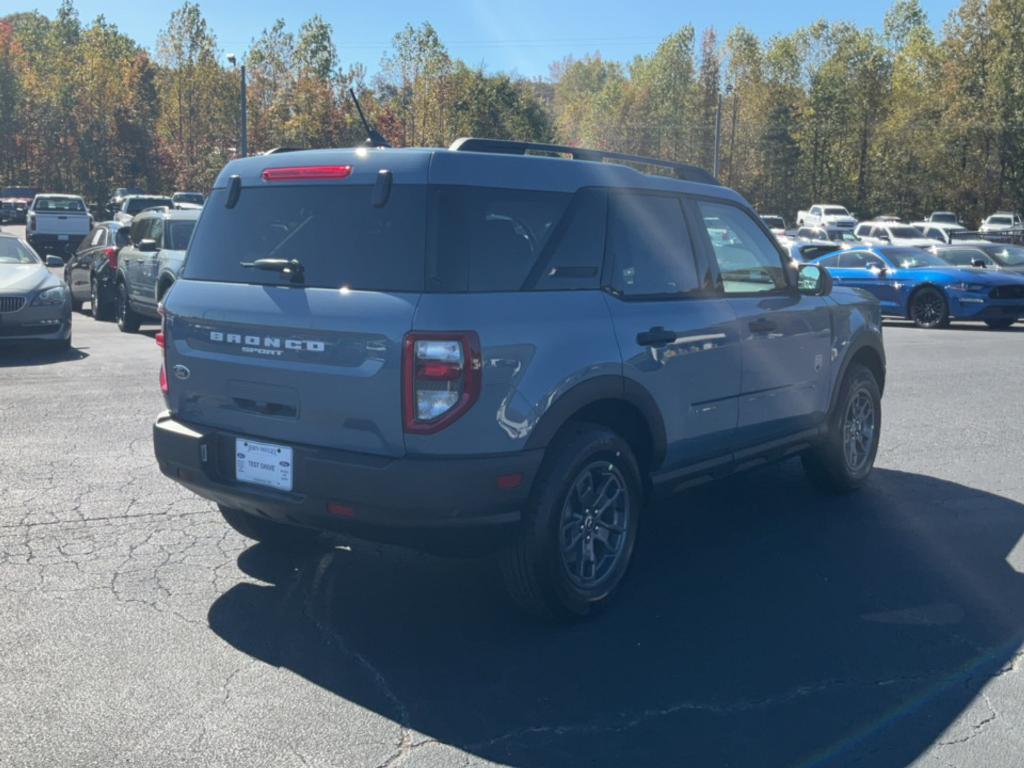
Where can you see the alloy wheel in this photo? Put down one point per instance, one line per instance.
(859, 431)
(594, 524)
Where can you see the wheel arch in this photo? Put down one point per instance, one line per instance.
(867, 353)
(615, 402)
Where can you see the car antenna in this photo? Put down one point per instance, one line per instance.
(373, 138)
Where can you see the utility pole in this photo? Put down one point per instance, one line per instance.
(718, 136)
(243, 139)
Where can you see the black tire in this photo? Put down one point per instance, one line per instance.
(928, 308)
(829, 464)
(1001, 324)
(101, 310)
(272, 534)
(127, 320)
(76, 304)
(537, 574)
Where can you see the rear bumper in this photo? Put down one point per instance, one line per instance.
(54, 242)
(412, 501)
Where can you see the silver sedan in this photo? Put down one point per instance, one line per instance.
(35, 305)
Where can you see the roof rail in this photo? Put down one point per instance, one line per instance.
(502, 147)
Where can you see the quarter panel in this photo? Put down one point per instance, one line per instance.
(536, 346)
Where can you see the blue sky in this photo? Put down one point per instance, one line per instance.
(520, 35)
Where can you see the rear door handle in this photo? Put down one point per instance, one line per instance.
(762, 325)
(655, 337)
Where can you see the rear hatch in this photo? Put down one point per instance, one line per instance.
(60, 216)
(311, 360)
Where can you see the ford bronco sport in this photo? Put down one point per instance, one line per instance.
(487, 347)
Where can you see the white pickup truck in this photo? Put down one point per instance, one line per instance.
(831, 216)
(57, 223)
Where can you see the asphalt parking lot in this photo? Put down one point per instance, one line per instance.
(762, 624)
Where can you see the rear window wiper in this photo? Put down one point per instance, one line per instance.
(290, 268)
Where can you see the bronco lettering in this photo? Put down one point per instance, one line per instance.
(259, 343)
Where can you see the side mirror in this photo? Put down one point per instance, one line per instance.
(814, 280)
(147, 246)
(54, 261)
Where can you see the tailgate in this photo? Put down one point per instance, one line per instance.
(61, 223)
(307, 366)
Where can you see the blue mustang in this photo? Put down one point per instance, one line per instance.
(917, 285)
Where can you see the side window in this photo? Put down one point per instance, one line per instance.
(815, 210)
(747, 260)
(863, 230)
(851, 260)
(156, 232)
(140, 228)
(880, 232)
(573, 257)
(121, 237)
(97, 236)
(649, 245)
(830, 261)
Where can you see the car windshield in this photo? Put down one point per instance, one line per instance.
(1006, 255)
(944, 217)
(912, 258)
(13, 252)
(177, 233)
(137, 204)
(836, 210)
(59, 204)
(904, 232)
(125, 191)
(774, 222)
(1000, 220)
(188, 197)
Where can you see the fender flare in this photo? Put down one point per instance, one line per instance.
(594, 390)
(862, 341)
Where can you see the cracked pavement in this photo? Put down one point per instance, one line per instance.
(761, 625)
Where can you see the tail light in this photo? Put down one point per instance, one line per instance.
(32, 224)
(441, 375)
(111, 254)
(161, 341)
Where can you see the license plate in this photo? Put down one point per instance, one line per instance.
(263, 464)
(62, 237)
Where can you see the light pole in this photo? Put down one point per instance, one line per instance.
(243, 143)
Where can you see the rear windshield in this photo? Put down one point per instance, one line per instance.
(836, 212)
(177, 233)
(142, 203)
(335, 231)
(59, 204)
(188, 197)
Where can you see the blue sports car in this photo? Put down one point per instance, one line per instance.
(918, 285)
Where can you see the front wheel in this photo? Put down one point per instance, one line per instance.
(127, 320)
(928, 308)
(577, 536)
(1001, 324)
(843, 461)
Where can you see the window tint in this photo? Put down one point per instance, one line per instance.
(140, 230)
(962, 257)
(136, 204)
(809, 252)
(121, 236)
(490, 239)
(859, 260)
(177, 233)
(747, 260)
(649, 245)
(573, 258)
(59, 204)
(334, 230)
(156, 232)
(863, 230)
(831, 261)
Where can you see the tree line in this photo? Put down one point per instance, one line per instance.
(900, 119)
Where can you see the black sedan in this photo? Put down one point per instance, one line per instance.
(91, 272)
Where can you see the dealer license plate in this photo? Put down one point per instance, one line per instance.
(263, 464)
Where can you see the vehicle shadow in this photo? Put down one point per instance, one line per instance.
(762, 624)
(19, 355)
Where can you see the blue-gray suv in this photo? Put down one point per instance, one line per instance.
(499, 345)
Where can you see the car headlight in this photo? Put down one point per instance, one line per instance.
(969, 287)
(50, 296)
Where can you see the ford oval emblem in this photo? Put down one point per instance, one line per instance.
(181, 372)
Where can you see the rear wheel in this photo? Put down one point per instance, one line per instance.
(100, 310)
(846, 457)
(127, 320)
(274, 535)
(1001, 324)
(577, 538)
(928, 308)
